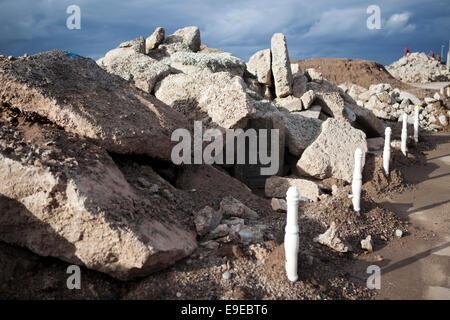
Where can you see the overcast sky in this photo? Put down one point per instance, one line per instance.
(325, 28)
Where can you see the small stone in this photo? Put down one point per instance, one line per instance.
(398, 233)
(245, 234)
(279, 205)
(226, 275)
(366, 244)
(234, 208)
(143, 182)
(206, 220)
(154, 188)
(179, 294)
(334, 190)
(314, 75)
(154, 40)
(330, 239)
(443, 120)
(212, 245)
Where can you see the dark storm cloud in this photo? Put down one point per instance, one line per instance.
(313, 28)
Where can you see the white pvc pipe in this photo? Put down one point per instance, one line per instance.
(404, 134)
(416, 124)
(291, 239)
(387, 150)
(357, 180)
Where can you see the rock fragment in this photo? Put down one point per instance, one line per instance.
(155, 39)
(332, 153)
(281, 66)
(330, 239)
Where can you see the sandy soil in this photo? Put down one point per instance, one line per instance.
(417, 266)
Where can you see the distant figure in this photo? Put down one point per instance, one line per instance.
(438, 57)
(406, 51)
(432, 53)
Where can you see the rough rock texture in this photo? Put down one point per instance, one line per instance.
(330, 238)
(278, 205)
(406, 95)
(366, 244)
(390, 104)
(290, 103)
(313, 112)
(334, 104)
(206, 220)
(234, 208)
(375, 144)
(281, 66)
(314, 75)
(419, 67)
(277, 187)
(299, 82)
(190, 62)
(189, 36)
(300, 131)
(296, 70)
(308, 98)
(260, 65)
(137, 68)
(332, 153)
(78, 95)
(206, 182)
(219, 95)
(63, 196)
(155, 39)
(137, 45)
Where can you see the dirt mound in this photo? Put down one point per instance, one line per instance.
(341, 70)
(358, 71)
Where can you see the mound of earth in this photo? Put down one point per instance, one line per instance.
(341, 70)
(362, 72)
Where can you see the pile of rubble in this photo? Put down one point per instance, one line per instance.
(417, 67)
(390, 104)
(85, 149)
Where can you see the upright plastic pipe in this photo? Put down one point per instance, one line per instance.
(387, 150)
(291, 239)
(357, 180)
(416, 124)
(404, 134)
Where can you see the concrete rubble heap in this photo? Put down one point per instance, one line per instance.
(87, 175)
(419, 67)
(389, 103)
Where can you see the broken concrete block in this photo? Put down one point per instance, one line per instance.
(260, 65)
(278, 205)
(206, 220)
(332, 153)
(281, 66)
(330, 239)
(366, 244)
(234, 208)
